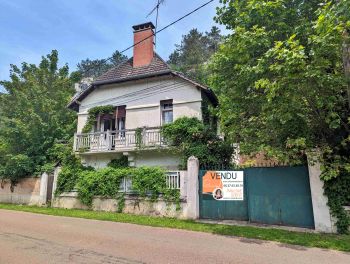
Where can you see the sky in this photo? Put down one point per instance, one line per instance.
(94, 29)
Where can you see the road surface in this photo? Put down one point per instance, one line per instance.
(32, 238)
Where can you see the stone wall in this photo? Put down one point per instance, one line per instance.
(27, 191)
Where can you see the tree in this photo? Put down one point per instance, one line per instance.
(194, 51)
(95, 68)
(281, 83)
(33, 115)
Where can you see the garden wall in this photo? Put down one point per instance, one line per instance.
(133, 205)
(27, 191)
(189, 207)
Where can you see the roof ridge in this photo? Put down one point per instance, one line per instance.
(112, 69)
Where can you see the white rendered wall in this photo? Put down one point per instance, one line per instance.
(163, 159)
(143, 106)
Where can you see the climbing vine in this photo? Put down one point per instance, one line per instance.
(147, 183)
(190, 137)
(337, 190)
(138, 137)
(93, 113)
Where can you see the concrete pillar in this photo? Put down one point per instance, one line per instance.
(192, 188)
(322, 216)
(43, 187)
(55, 177)
(183, 184)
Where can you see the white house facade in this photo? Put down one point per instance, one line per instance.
(145, 94)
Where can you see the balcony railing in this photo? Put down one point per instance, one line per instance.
(127, 139)
(172, 182)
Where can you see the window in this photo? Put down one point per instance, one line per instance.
(166, 111)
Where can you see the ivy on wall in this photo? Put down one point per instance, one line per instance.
(147, 182)
(93, 113)
(337, 190)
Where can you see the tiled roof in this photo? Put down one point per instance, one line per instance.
(125, 70)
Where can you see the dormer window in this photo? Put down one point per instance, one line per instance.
(166, 111)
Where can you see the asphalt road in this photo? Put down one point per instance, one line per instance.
(32, 238)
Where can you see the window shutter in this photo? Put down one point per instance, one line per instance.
(121, 111)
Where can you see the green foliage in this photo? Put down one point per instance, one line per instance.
(33, 115)
(194, 51)
(93, 114)
(138, 137)
(16, 167)
(190, 137)
(280, 80)
(121, 162)
(71, 167)
(147, 182)
(67, 179)
(337, 191)
(103, 182)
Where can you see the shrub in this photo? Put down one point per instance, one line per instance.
(103, 182)
(190, 137)
(149, 181)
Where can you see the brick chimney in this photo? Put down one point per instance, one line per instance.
(143, 52)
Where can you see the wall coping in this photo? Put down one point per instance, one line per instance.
(74, 194)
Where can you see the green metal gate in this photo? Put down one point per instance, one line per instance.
(277, 195)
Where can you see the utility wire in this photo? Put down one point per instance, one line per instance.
(156, 32)
(157, 89)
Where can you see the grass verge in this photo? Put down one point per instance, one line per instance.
(329, 241)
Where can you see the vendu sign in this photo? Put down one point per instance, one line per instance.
(224, 185)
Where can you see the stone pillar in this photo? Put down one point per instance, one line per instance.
(322, 216)
(43, 187)
(192, 211)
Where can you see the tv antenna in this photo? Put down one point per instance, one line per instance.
(156, 8)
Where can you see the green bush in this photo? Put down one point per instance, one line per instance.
(190, 137)
(103, 182)
(146, 182)
(149, 181)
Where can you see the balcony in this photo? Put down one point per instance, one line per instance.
(119, 140)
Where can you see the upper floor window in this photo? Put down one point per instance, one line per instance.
(166, 111)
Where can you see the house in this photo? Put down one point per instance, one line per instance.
(145, 94)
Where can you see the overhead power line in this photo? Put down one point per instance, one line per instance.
(156, 32)
(152, 91)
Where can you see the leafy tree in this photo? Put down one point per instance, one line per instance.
(281, 83)
(95, 68)
(194, 51)
(33, 115)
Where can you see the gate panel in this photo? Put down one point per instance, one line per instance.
(222, 210)
(280, 195)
